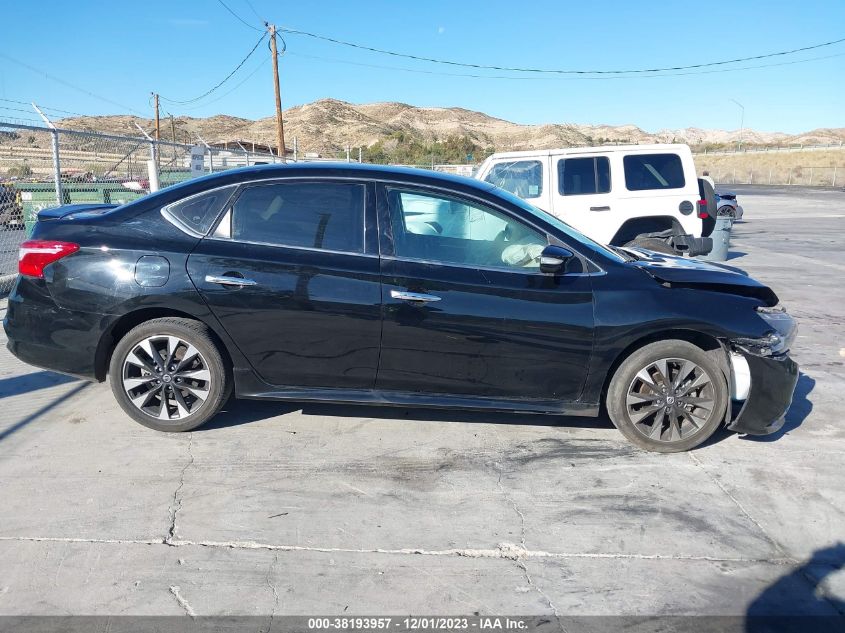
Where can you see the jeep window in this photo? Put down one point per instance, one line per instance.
(523, 178)
(583, 176)
(653, 171)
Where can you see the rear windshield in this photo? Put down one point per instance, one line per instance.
(653, 171)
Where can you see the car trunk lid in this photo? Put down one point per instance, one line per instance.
(74, 211)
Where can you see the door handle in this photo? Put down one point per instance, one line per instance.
(228, 281)
(599, 208)
(412, 296)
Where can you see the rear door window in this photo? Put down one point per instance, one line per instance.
(583, 176)
(653, 171)
(324, 215)
(523, 178)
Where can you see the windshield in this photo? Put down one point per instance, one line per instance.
(559, 224)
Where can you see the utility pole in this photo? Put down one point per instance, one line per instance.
(158, 127)
(280, 128)
(741, 123)
(172, 128)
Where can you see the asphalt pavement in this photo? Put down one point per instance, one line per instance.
(281, 508)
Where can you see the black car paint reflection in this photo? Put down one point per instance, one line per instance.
(323, 324)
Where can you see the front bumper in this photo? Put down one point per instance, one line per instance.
(691, 246)
(773, 381)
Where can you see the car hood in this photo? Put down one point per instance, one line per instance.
(683, 272)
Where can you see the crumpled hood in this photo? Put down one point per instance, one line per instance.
(683, 272)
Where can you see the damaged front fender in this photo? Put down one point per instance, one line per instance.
(773, 381)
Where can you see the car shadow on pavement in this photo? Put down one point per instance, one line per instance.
(785, 604)
(237, 412)
(26, 383)
(32, 417)
(800, 409)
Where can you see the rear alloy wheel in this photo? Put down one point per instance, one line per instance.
(668, 396)
(169, 375)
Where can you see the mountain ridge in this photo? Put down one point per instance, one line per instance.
(329, 125)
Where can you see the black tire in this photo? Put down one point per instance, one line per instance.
(655, 244)
(658, 432)
(204, 380)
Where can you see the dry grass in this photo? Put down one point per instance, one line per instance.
(807, 167)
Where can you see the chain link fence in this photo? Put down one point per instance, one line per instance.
(42, 167)
(806, 176)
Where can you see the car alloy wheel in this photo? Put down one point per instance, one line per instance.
(167, 378)
(670, 399)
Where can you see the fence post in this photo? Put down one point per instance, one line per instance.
(833, 184)
(770, 175)
(750, 176)
(57, 170)
(789, 181)
(734, 176)
(811, 176)
(295, 150)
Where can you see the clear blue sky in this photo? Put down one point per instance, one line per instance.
(125, 50)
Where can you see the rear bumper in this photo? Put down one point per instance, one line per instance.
(42, 334)
(773, 381)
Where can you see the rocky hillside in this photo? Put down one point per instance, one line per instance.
(329, 125)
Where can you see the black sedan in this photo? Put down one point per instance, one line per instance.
(393, 286)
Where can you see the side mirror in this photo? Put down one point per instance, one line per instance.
(553, 259)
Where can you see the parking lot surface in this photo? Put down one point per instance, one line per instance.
(277, 508)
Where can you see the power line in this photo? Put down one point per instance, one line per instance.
(43, 107)
(333, 60)
(225, 79)
(50, 77)
(228, 92)
(556, 70)
(254, 12)
(239, 18)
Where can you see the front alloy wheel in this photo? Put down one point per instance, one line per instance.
(168, 374)
(668, 396)
(670, 399)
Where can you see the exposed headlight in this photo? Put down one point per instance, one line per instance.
(775, 342)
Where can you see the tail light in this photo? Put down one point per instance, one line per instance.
(702, 210)
(35, 255)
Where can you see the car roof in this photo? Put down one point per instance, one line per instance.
(337, 170)
(629, 149)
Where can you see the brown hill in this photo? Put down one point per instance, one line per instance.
(328, 125)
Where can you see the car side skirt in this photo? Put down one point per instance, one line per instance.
(247, 386)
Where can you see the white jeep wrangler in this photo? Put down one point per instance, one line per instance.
(634, 195)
